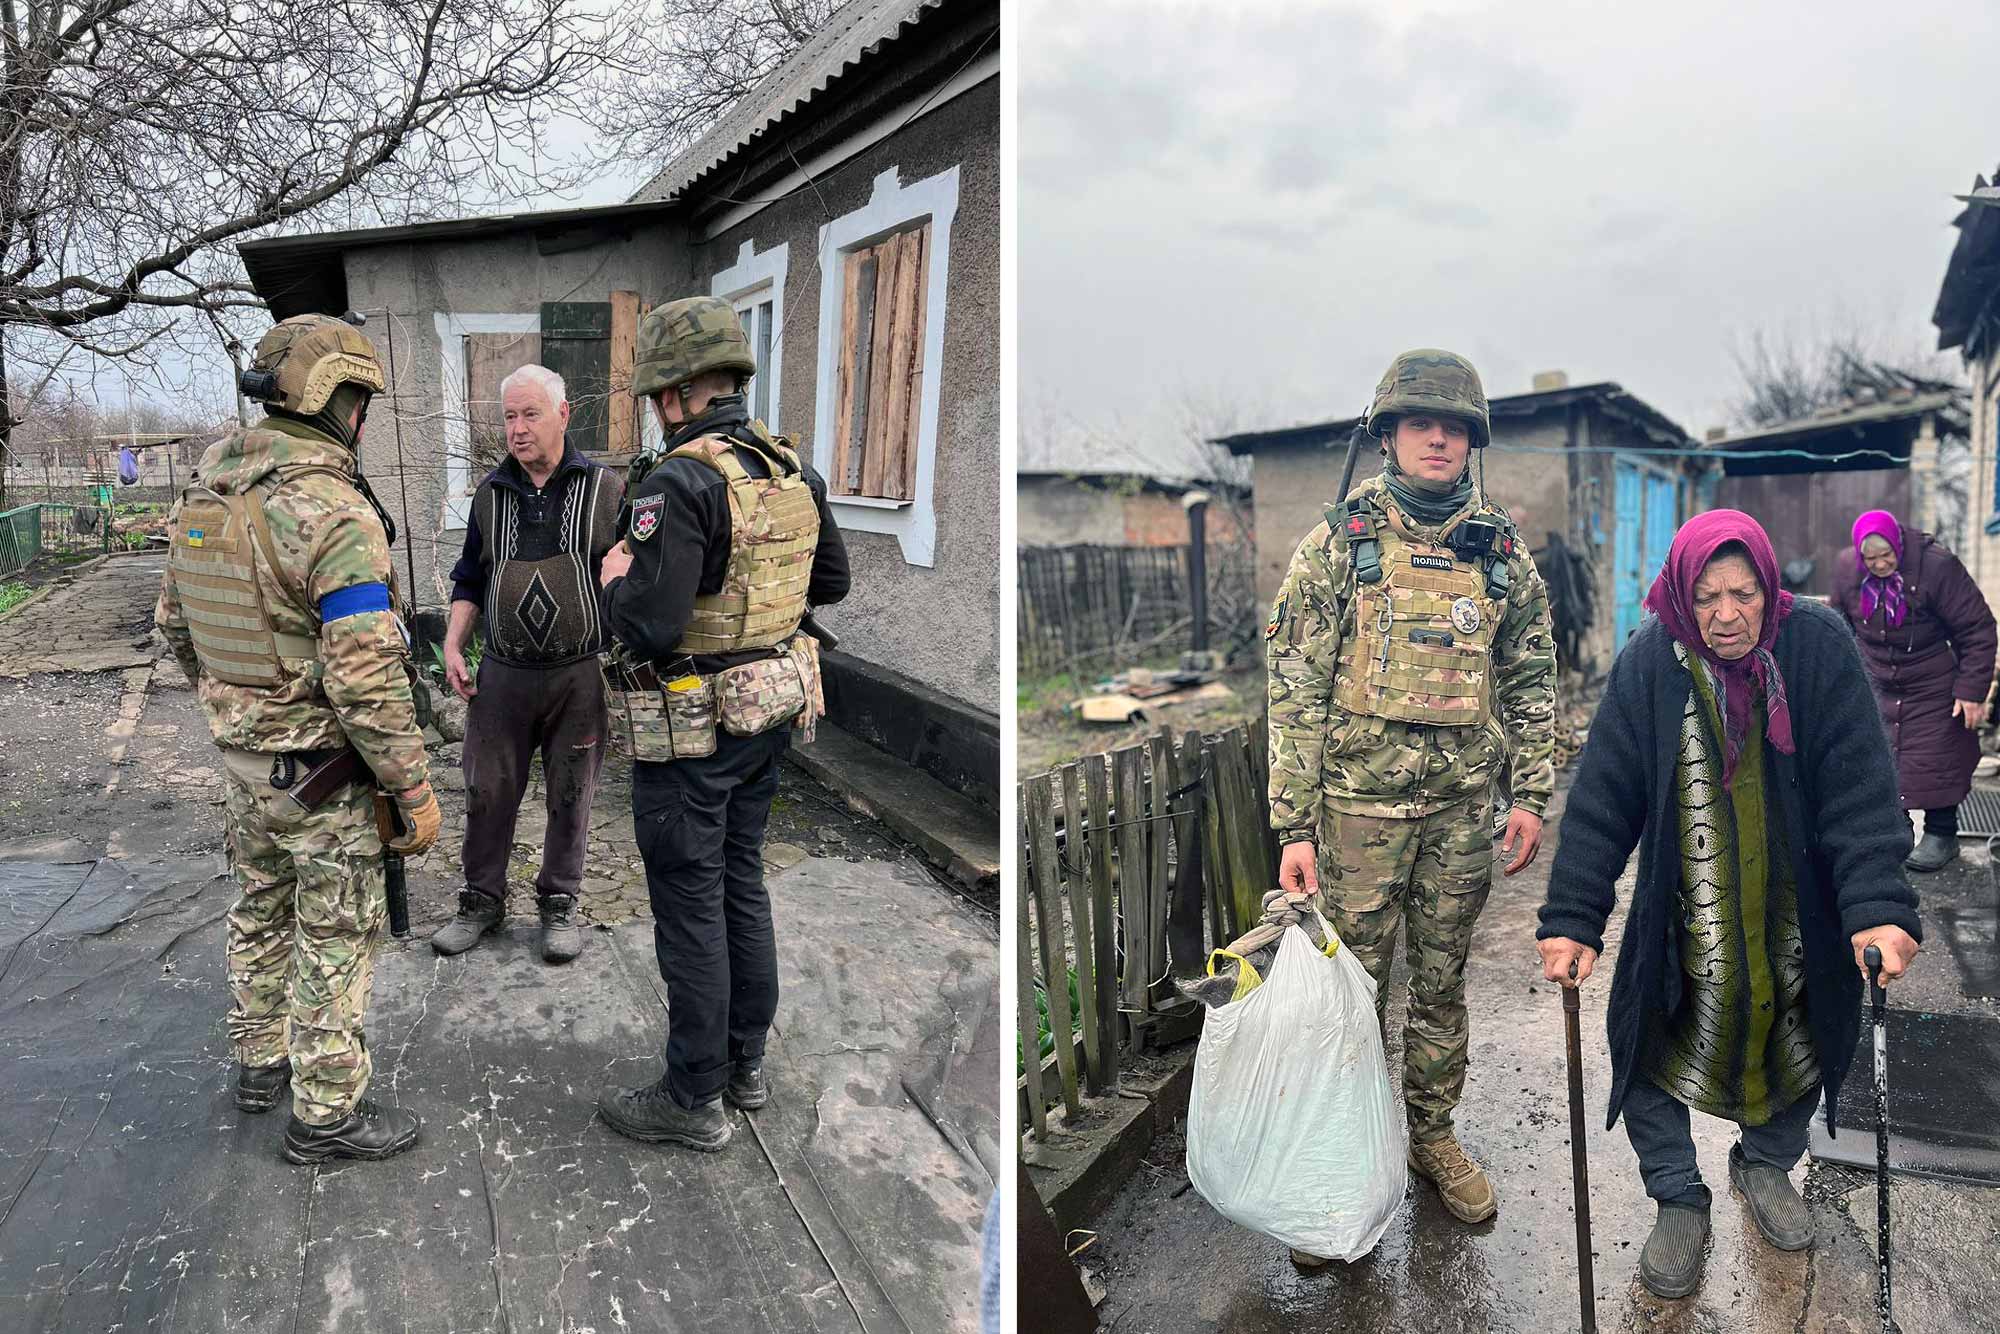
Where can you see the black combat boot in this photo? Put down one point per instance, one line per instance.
(747, 1088)
(258, 1087)
(562, 938)
(652, 1115)
(368, 1132)
(477, 914)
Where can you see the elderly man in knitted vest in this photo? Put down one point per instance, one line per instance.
(541, 523)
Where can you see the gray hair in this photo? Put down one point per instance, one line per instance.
(542, 378)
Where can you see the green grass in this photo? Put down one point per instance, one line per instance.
(13, 595)
(1049, 692)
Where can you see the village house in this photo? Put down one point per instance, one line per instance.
(1968, 319)
(1119, 509)
(850, 208)
(1591, 466)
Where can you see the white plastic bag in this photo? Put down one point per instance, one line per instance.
(1293, 1130)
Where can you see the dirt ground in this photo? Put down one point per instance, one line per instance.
(1050, 735)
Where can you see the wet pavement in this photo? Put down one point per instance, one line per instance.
(134, 1196)
(1170, 1264)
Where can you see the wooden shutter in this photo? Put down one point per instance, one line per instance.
(576, 344)
(489, 359)
(878, 402)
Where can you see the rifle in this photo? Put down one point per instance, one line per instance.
(326, 778)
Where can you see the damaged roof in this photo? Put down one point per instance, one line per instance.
(857, 36)
(1966, 316)
(1854, 418)
(1606, 395)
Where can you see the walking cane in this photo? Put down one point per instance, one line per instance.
(1579, 1159)
(1872, 956)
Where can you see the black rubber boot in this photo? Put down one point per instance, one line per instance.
(562, 938)
(1933, 852)
(258, 1087)
(747, 1088)
(369, 1132)
(651, 1114)
(477, 914)
(1779, 1212)
(1670, 1266)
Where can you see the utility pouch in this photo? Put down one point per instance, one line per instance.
(755, 697)
(657, 720)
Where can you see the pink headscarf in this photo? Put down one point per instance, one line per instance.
(1886, 593)
(1672, 600)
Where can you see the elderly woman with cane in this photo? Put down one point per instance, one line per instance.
(1927, 638)
(1736, 747)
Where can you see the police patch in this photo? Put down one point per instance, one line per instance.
(1425, 561)
(1465, 616)
(646, 517)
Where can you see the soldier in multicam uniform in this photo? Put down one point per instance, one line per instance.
(729, 539)
(277, 603)
(1410, 654)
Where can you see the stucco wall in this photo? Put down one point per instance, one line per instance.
(1055, 511)
(939, 624)
(405, 287)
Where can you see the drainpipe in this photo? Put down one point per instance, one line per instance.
(1196, 504)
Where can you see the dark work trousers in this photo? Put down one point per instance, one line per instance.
(1943, 820)
(558, 711)
(1662, 1134)
(701, 830)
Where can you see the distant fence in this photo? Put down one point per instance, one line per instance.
(1086, 601)
(40, 530)
(1133, 866)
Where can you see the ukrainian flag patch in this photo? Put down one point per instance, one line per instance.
(194, 537)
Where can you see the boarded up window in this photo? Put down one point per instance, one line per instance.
(879, 393)
(576, 344)
(489, 359)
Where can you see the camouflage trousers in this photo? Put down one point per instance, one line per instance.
(302, 936)
(1430, 875)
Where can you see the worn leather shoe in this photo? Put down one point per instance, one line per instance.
(747, 1088)
(477, 914)
(1307, 1260)
(1670, 1266)
(1933, 852)
(651, 1114)
(1461, 1183)
(258, 1087)
(1781, 1215)
(562, 938)
(370, 1131)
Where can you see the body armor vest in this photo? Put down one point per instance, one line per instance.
(1422, 643)
(214, 561)
(773, 531)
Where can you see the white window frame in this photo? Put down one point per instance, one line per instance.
(752, 280)
(890, 208)
(459, 482)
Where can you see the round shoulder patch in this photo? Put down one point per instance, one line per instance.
(1465, 616)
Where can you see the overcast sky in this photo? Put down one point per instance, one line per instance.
(1251, 208)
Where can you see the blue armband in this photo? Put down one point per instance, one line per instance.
(352, 601)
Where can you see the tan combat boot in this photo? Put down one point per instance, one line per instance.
(1461, 1183)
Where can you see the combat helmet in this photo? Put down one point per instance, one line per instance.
(1429, 380)
(686, 338)
(303, 360)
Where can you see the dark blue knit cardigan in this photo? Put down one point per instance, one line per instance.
(1844, 824)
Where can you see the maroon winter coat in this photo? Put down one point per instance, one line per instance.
(1942, 651)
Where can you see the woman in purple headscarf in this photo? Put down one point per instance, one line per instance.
(1735, 747)
(1927, 637)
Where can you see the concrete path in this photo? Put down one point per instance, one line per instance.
(134, 1196)
(1171, 1264)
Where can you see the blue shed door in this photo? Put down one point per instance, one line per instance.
(1662, 521)
(1626, 577)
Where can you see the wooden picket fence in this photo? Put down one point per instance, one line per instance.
(1133, 866)
(1079, 604)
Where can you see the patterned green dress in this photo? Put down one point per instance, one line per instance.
(1740, 1047)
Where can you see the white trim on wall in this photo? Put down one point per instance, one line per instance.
(452, 329)
(891, 206)
(745, 283)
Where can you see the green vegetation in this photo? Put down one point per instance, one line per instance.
(13, 595)
(1050, 692)
(472, 652)
(1045, 1041)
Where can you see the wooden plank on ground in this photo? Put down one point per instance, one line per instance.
(1076, 875)
(1038, 794)
(1135, 884)
(1024, 974)
(1103, 942)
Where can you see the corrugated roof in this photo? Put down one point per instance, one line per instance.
(1841, 420)
(1605, 393)
(856, 33)
(1965, 315)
